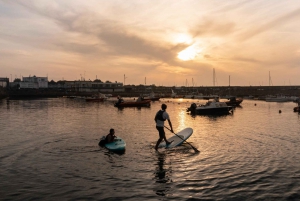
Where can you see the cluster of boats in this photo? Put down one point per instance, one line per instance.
(280, 98)
(99, 97)
(212, 106)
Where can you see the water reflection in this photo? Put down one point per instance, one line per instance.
(7, 104)
(211, 116)
(182, 119)
(162, 174)
(238, 106)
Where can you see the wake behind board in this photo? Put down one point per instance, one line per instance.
(117, 145)
(176, 141)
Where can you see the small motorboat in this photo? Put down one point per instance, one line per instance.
(138, 103)
(297, 109)
(277, 99)
(151, 97)
(233, 101)
(96, 98)
(211, 108)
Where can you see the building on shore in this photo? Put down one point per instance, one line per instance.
(31, 82)
(35, 82)
(4, 82)
(87, 86)
(40, 86)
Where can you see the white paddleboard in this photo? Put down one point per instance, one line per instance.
(178, 139)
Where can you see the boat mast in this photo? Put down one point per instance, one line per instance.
(229, 85)
(214, 77)
(193, 84)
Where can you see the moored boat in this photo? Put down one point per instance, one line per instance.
(96, 98)
(210, 108)
(142, 103)
(297, 109)
(151, 97)
(277, 99)
(233, 101)
(174, 95)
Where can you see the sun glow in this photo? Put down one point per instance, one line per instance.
(183, 38)
(189, 53)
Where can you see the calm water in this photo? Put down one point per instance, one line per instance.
(49, 151)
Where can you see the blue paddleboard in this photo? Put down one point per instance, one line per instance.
(117, 145)
(178, 139)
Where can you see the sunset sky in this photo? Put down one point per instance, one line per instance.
(161, 42)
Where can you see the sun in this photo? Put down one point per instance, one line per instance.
(189, 53)
(183, 38)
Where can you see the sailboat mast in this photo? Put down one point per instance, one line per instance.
(229, 84)
(214, 77)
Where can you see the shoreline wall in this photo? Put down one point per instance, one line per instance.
(134, 91)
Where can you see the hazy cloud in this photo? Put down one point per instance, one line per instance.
(266, 26)
(138, 38)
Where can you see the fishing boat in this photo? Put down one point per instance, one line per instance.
(233, 101)
(174, 95)
(297, 109)
(96, 98)
(277, 99)
(210, 108)
(151, 97)
(138, 103)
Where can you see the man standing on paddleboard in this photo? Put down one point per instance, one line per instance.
(160, 118)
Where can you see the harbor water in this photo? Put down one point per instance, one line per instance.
(49, 151)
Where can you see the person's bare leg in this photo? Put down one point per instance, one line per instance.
(157, 143)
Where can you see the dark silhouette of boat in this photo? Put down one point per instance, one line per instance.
(211, 108)
(233, 101)
(142, 103)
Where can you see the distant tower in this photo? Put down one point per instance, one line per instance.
(214, 77)
(124, 79)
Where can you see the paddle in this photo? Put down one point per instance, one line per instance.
(196, 150)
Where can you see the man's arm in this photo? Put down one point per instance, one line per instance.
(155, 117)
(170, 124)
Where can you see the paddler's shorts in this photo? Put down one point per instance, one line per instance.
(161, 131)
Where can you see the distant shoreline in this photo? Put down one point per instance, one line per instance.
(134, 91)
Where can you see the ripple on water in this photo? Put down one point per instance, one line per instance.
(49, 150)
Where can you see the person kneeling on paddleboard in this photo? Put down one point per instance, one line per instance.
(109, 137)
(160, 117)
